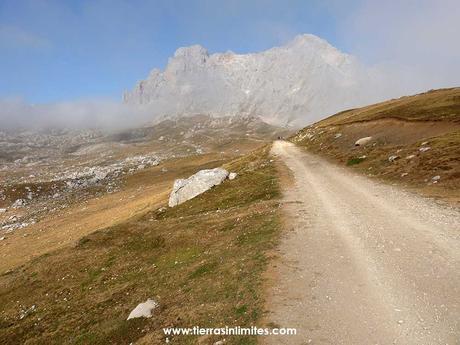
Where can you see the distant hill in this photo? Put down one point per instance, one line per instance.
(415, 140)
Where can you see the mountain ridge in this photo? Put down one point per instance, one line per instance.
(291, 84)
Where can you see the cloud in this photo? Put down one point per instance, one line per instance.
(15, 37)
(413, 41)
(97, 113)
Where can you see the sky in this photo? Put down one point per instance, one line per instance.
(54, 51)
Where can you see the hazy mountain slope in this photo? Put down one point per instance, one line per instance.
(415, 141)
(298, 82)
(49, 172)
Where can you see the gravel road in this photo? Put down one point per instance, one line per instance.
(363, 262)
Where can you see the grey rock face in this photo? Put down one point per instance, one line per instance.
(303, 80)
(186, 189)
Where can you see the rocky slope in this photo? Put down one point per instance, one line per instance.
(292, 84)
(47, 170)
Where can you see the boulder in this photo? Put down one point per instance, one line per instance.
(363, 141)
(186, 189)
(143, 309)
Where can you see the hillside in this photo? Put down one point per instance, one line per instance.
(202, 261)
(415, 141)
(48, 175)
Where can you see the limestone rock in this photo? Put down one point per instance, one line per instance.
(186, 189)
(363, 141)
(291, 84)
(143, 309)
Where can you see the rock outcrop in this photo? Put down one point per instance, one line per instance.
(186, 189)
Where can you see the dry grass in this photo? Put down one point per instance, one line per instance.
(202, 261)
(434, 105)
(399, 128)
(141, 192)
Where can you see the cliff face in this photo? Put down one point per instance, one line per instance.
(293, 84)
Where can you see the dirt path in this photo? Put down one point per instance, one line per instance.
(363, 262)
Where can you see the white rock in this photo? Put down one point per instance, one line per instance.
(410, 156)
(436, 178)
(424, 149)
(404, 174)
(393, 158)
(186, 189)
(338, 135)
(2, 210)
(18, 203)
(143, 309)
(363, 141)
(232, 175)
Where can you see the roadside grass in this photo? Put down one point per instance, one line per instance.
(399, 128)
(355, 160)
(434, 105)
(202, 261)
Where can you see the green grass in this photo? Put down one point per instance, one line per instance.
(202, 261)
(355, 160)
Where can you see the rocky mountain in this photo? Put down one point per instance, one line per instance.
(293, 84)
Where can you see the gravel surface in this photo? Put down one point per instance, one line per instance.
(362, 262)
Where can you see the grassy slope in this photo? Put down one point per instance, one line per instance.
(399, 127)
(202, 261)
(434, 105)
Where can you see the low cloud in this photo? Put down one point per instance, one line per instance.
(16, 113)
(413, 42)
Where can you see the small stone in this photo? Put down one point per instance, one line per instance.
(363, 141)
(436, 178)
(232, 176)
(400, 322)
(410, 156)
(424, 149)
(393, 158)
(404, 174)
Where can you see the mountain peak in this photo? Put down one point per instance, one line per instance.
(299, 82)
(193, 51)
